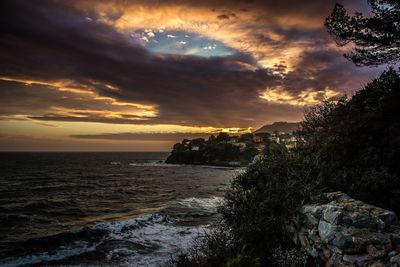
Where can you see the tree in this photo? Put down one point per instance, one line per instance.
(355, 142)
(376, 38)
(247, 137)
(222, 137)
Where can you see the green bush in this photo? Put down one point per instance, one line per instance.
(261, 201)
(355, 143)
(289, 257)
(352, 146)
(214, 248)
(242, 260)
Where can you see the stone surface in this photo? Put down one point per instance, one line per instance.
(327, 231)
(347, 232)
(395, 261)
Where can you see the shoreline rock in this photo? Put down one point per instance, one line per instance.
(348, 232)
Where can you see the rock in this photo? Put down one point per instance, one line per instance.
(314, 210)
(378, 264)
(346, 232)
(362, 220)
(342, 241)
(327, 253)
(388, 218)
(303, 240)
(395, 261)
(358, 259)
(374, 252)
(327, 231)
(311, 219)
(333, 214)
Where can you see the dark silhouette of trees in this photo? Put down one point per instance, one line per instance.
(356, 142)
(376, 38)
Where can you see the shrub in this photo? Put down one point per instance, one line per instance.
(356, 143)
(289, 257)
(214, 248)
(352, 145)
(261, 201)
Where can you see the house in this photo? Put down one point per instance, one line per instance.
(185, 143)
(261, 147)
(195, 148)
(257, 139)
(290, 145)
(241, 145)
(233, 140)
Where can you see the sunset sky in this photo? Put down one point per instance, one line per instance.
(141, 75)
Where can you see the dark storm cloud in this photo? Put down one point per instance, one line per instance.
(326, 68)
(51, 40)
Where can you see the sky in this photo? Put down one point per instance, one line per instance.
(141, 75)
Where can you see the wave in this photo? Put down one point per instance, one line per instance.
(62, 253)
(148, 240)
(154, 164)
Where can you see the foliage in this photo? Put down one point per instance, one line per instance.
(376, 38)
(261, 201)
(212, 249)
(352, 145)
(242, 260)
(214, 151)
(256, 211)
(289, 257)
(355, 142)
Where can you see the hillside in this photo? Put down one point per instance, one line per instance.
(287, 127)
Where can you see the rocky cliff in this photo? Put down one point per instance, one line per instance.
(348, 232)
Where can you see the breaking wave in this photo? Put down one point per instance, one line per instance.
(148, 240)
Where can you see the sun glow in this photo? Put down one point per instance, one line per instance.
(89, 93)
(304, 98)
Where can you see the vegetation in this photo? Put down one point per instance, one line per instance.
(352, 145)
(220, 150)
(376, 38)
(356, 142)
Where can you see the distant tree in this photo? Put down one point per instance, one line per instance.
(197, 142)
(222, 137)
(211, 139)
(178, 147)
(247, 137)
(356, 142)
(376, 38)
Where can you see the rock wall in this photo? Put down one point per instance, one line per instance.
(348, 232)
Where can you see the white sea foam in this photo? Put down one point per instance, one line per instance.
(154, 244)
(154, 164)
(149, 240)
(205, 204)
(74, 249)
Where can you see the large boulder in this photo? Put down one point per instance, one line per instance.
(346, 232)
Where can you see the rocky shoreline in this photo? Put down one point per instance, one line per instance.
(348, 232)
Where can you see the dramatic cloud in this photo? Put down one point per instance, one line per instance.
(189, 63)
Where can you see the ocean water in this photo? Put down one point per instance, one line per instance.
(103, 209)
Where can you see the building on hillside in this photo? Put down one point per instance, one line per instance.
(241, 145)
(257, 139)
(257, 158)
(186, 142)
(261, 147)
(195, 148)
(233, 140)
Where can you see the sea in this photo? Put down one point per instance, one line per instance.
(104, 209)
